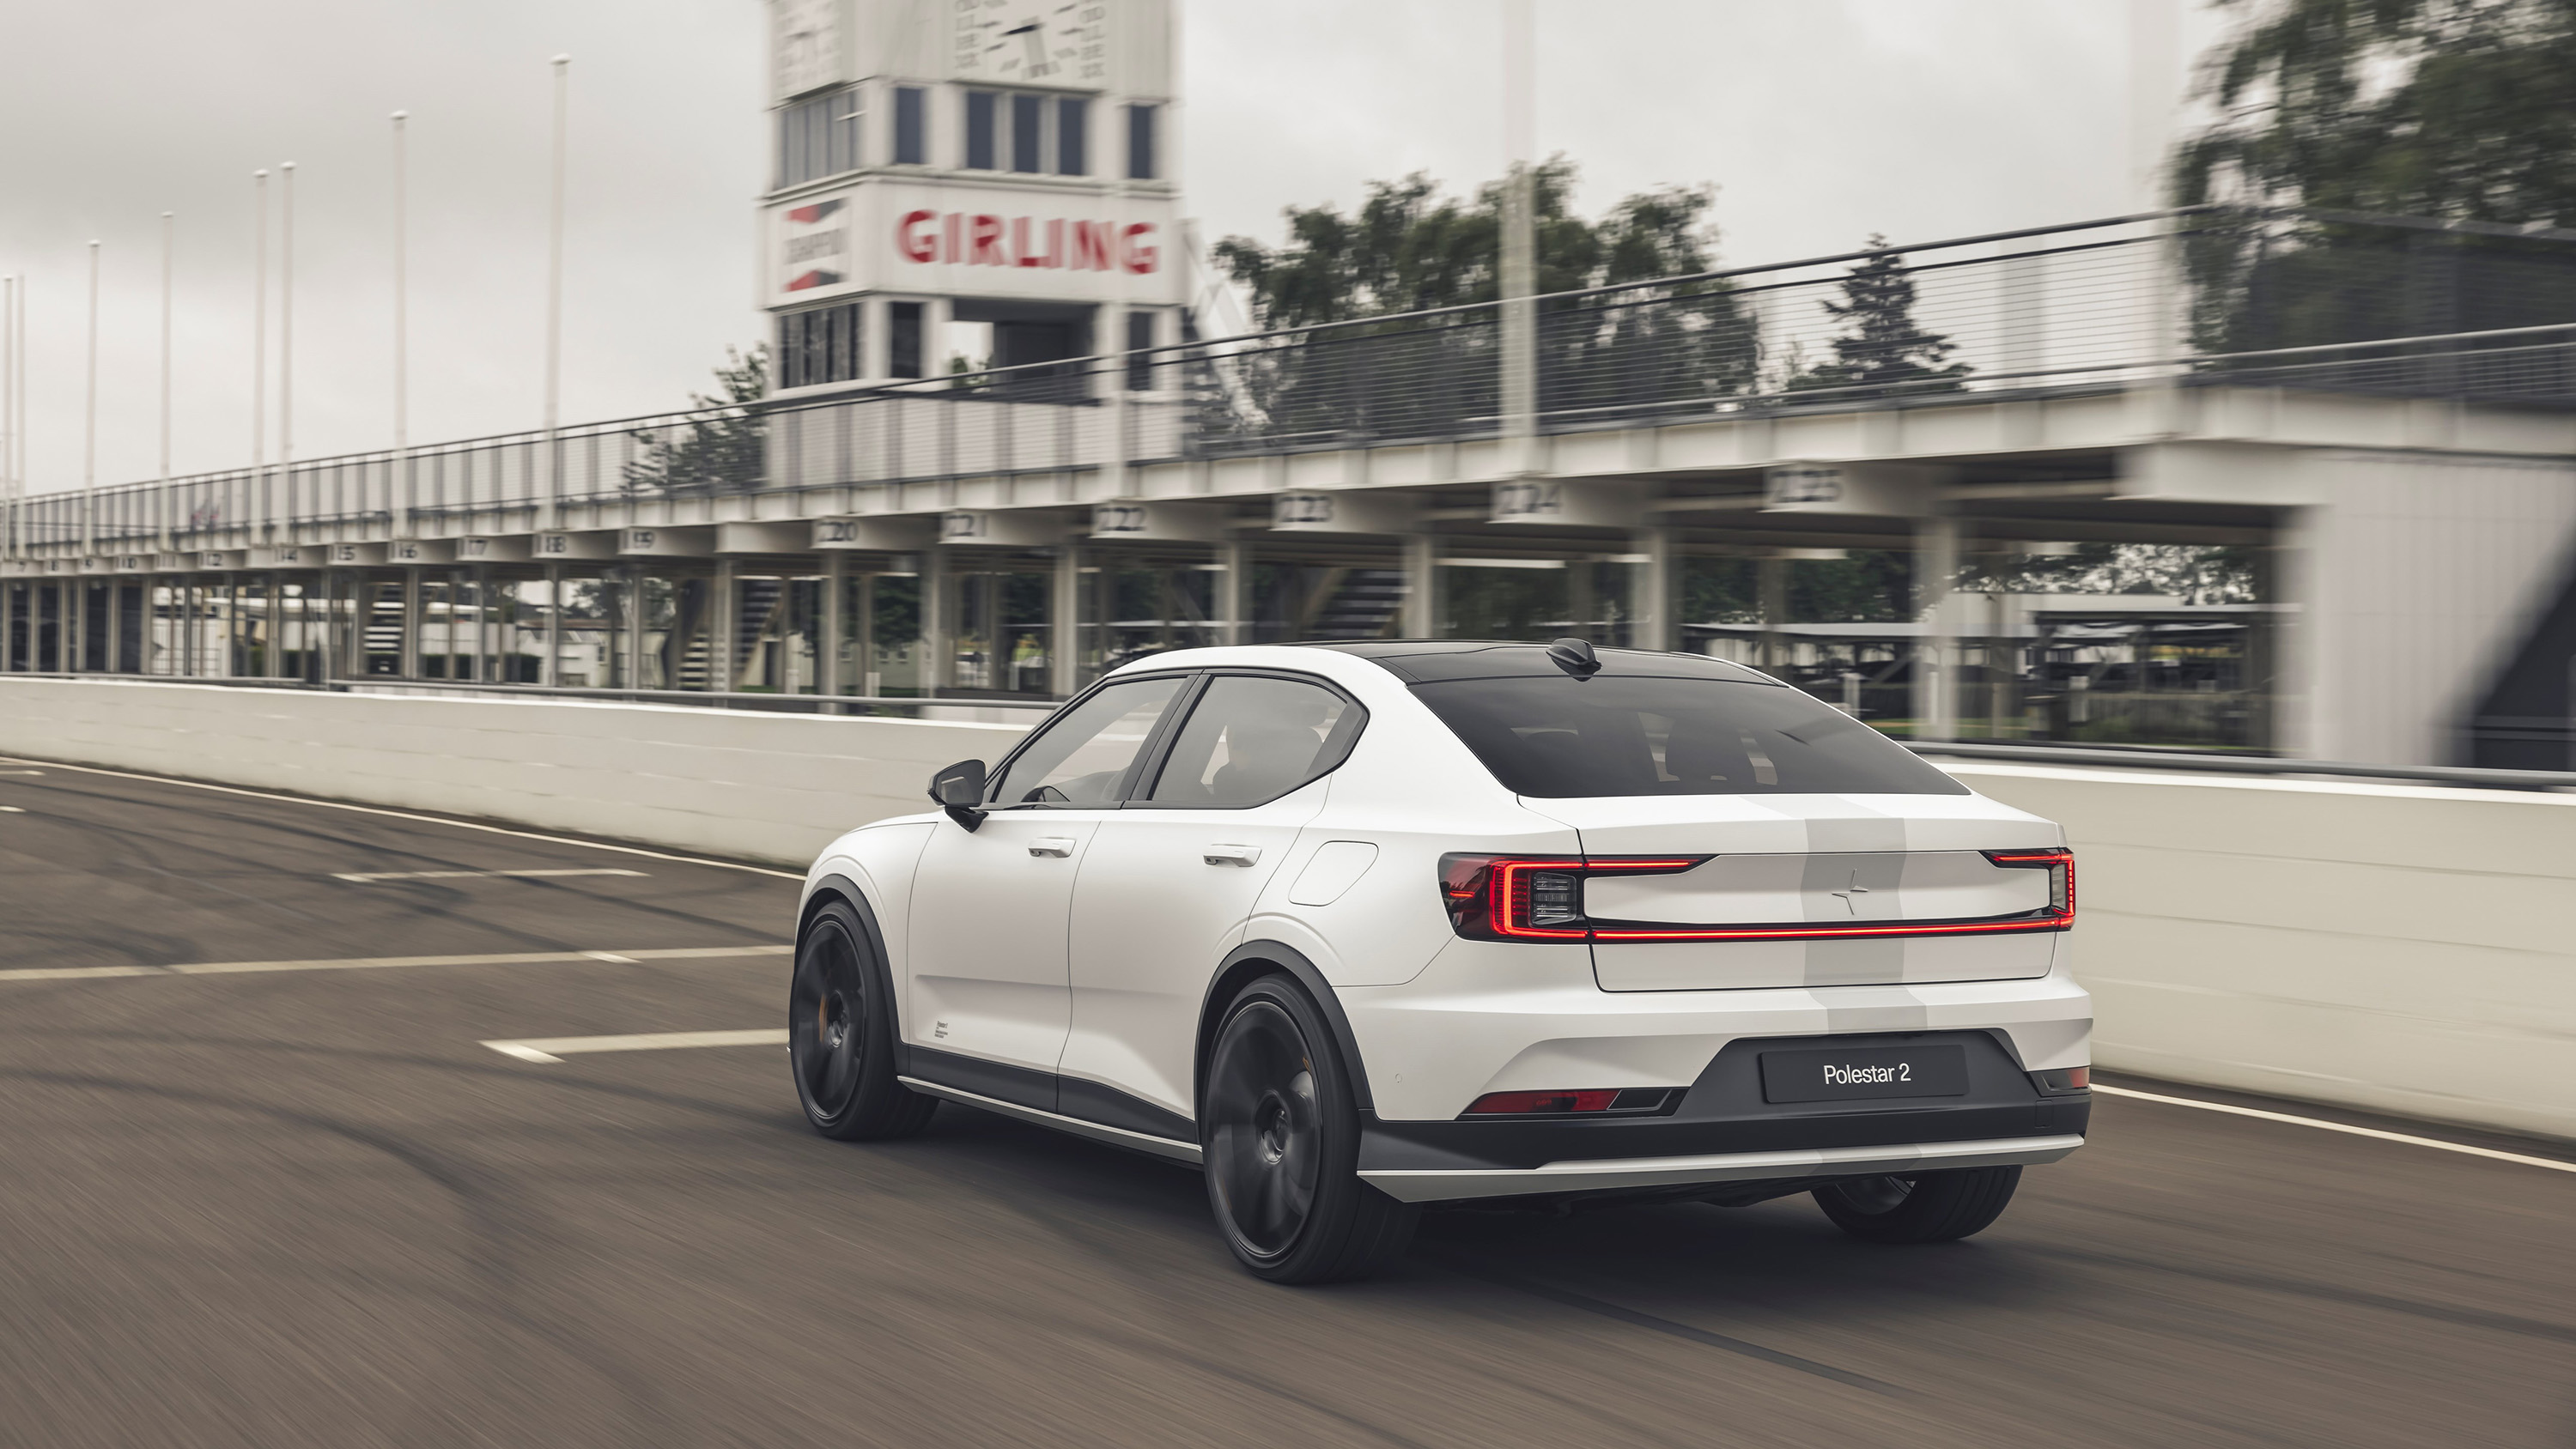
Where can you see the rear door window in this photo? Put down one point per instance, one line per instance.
(1561, 738)
(1252, 739)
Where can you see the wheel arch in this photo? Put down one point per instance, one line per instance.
(841, 888)
(1255, 959)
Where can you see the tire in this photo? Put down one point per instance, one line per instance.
(1932, 1207)
(1280, 1134)
(841, 1035)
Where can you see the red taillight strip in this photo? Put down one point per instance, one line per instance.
(1505, 890)
(2050, 922)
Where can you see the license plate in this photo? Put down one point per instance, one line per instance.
(1829, 1076)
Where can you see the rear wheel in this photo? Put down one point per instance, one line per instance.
(1279, 1128)
(840, 1035)
(1930, 1207)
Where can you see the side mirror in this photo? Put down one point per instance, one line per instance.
(959, 790)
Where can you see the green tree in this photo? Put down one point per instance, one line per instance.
(2461, 109)
(718, 448)
(1885, 350)
(1412, 248)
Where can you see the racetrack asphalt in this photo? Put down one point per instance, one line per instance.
(309, 1207)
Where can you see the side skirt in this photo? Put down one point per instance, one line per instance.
(1115, 1136)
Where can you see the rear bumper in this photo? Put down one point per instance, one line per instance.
(1434, 1184)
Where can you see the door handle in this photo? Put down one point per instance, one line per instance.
(1231, 854)
(1056, 845)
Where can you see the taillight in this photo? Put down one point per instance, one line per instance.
(1534, 898)
(2060, 865)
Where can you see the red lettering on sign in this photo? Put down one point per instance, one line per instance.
(948, 238)
(1020, 243)
(984, 235)
(915, 243)
(1137, 256)
(1091, 246)
(1055, 244)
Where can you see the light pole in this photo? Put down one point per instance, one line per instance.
(554, 299)
(1520, 241)
(89, 418)
(259, 358)
(398, 487)
(286, 348)
(169, 227)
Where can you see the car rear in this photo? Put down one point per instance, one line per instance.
(1767, 949)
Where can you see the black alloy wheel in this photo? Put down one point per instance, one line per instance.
(1930, 1207)
(1280, 1135)
(840, 1035)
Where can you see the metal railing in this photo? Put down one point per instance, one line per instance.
(2198, 297)
(2136, 757)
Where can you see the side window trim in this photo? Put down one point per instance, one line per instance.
(1168, 736)
(1187, 693)
(1148, 764)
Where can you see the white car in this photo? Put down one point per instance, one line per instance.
(1363, 927)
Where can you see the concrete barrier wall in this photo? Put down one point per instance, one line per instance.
(2401, 948)
(734, 783)
(2397, 948)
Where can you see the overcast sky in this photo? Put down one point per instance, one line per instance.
(1819, 121)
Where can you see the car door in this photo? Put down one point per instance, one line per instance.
(986, 971)
(1170, 880)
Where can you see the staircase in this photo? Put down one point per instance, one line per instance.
(1362, 603)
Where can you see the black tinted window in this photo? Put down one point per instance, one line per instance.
(1565, 737)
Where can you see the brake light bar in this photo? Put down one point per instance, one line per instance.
(1540, 898)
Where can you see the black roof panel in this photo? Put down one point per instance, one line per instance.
(1421, 661)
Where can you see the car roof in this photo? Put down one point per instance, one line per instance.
(1423, 661)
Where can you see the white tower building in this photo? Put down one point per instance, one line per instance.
(998, 162)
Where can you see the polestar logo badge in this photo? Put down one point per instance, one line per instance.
(1846, 894)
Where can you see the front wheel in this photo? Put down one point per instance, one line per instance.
(1280, 1134)
(840, 1035)
(1930, 1207)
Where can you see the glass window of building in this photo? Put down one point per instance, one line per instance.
(1140, 336)
(980, 106)
(1028, 124)
(818, 137)
(1140, 142)
(904, 338)
(911, 126)
(1029, 133)
(1072, 136)
(818, 345)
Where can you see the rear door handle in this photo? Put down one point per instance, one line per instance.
(1231, 854)
(1056, 845)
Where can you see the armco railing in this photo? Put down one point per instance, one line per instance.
(2203, 296)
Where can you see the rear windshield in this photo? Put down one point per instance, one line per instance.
(1613, 735)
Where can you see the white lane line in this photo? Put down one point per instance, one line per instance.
(428, 820)
(378, 963)
(369, 877)
(21, 772)
(2232, 1110)
(11, 810)
(556, 1048)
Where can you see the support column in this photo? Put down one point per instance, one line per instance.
(1771, 587)
(1421, 586)
(1234, 600)
(409, 662)
(550, 667)
(863, 642)
(73, 631)
(934, 620)
(1582, 600)
(721, 628)
(1936, 651)
(630, 592)
(827, 661)
(1064, 624)
(273, 653)
(1657, 600)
